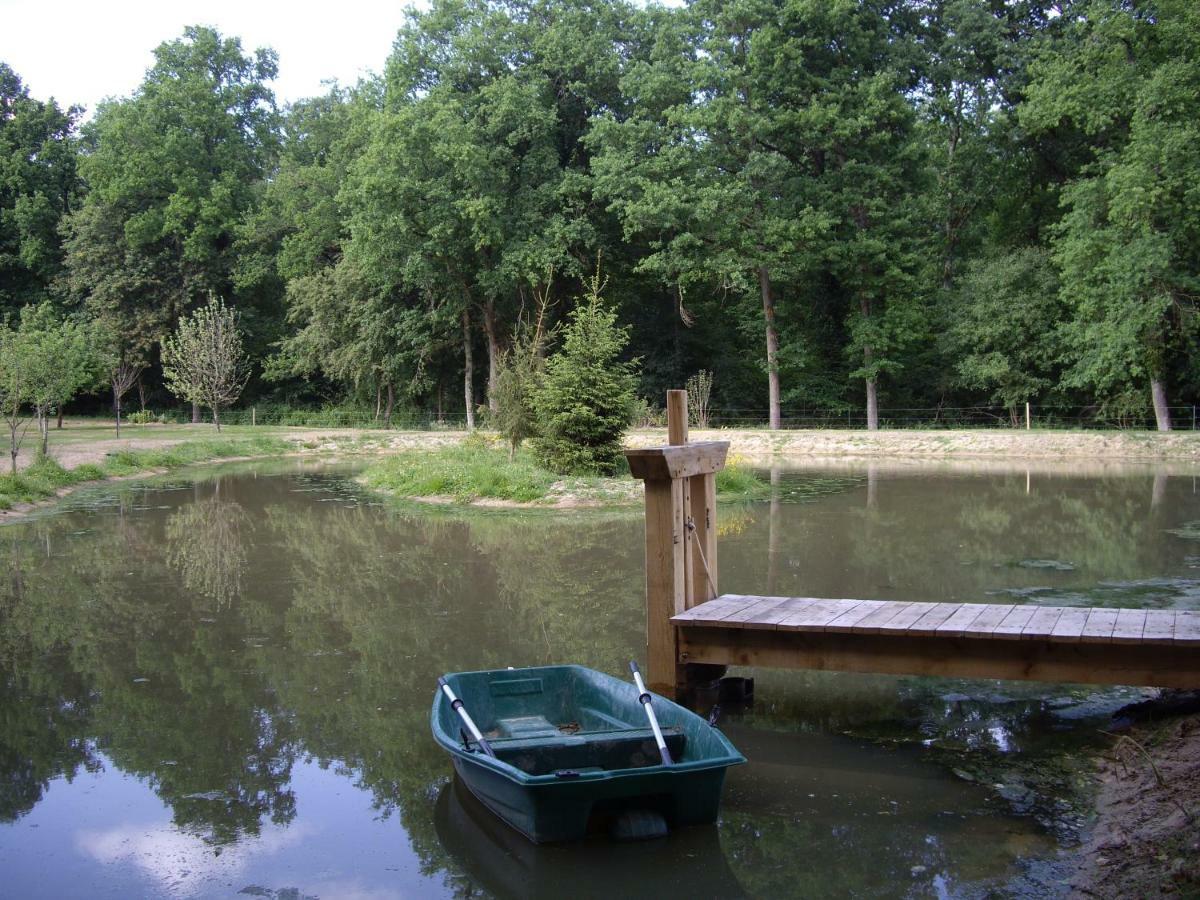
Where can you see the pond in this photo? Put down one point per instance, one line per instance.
(220, 685)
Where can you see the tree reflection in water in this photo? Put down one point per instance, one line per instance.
(207, 647)
(206, 544)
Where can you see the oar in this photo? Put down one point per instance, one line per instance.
(457, 706)
(644, 699)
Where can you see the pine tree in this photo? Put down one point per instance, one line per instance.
(584, 400)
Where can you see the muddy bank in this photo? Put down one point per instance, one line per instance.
(1146, 839)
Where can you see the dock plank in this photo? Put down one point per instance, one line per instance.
(1187, 628)
(751, 612)
(962, 620)
(1103, 646)
(928, 624)
(715, 610)
(1129, 626)
(988, 620)
(848, 621)
(1160, 627)
(1099, 627)
(1041, 623)
(1070, 625)
(816, 615)
(906, 618)
(882, 615)
(772, 617)
(1011, 626)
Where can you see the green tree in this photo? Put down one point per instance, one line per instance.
(204, 361)
(172, 170)
(520, 377)
(697, 170)
(14, 388)
(39, 185)
(584, 399)
(60, 362)
(1004, 327)
(1128, 244)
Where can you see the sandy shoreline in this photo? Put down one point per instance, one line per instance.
(1146, 838)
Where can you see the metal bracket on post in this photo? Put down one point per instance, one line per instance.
(681, 536)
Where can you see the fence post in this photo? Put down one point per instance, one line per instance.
(1028, 417)
(253, 416)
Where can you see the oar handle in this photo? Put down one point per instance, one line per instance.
(646, 700)
(457, 706)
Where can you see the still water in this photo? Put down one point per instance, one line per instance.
(219, 686)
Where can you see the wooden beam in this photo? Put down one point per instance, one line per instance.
(702, 507)
(677, 418)
(665, 581)
(702, 458)
(1025, 659)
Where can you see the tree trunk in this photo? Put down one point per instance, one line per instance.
(440, 416)
(117, 407)
(195, 413)
(391, 402)
(378, 399)
(217, 417)
(60, 416)
(142, 398)
(493, 342)
(44, 429)
(468, 371)
(872, 406)
(12, 429)
(1162, 412)
(864, 307)
(768, 301)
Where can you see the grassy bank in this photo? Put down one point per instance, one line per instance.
(45, 477)
(477, 473)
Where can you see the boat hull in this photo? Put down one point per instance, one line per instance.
(549, 804)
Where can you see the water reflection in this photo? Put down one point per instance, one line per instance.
(206, 544)
(222, 643)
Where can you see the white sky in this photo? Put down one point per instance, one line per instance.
(81, 51)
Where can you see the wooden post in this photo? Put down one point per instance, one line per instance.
(677, 418)
(1028, 417)
(681, 537)
(253, 416)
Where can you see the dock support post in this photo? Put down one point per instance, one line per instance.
(681, 538)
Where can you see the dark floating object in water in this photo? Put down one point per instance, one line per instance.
(549, 782)
(1053, 565)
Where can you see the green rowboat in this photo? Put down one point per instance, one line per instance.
(573, 746)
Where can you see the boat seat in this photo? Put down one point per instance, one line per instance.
(624, 748)
(526, 727)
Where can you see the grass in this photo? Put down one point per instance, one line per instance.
(737, 482)
(44, 478)
(466, 473)
(475, 471)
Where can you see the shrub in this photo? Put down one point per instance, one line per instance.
(517, 384)
(585, 396)
(144, 417)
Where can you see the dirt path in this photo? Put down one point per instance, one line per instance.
(87, 443)
(994, 443)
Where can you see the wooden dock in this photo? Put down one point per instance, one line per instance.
(691, 632)
(972, 640)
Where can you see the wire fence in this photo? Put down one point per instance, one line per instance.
(950, 417)
(939, 417)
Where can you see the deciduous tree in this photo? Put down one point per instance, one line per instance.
(204, 361)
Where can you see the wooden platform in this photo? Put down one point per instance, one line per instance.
(974, 640)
